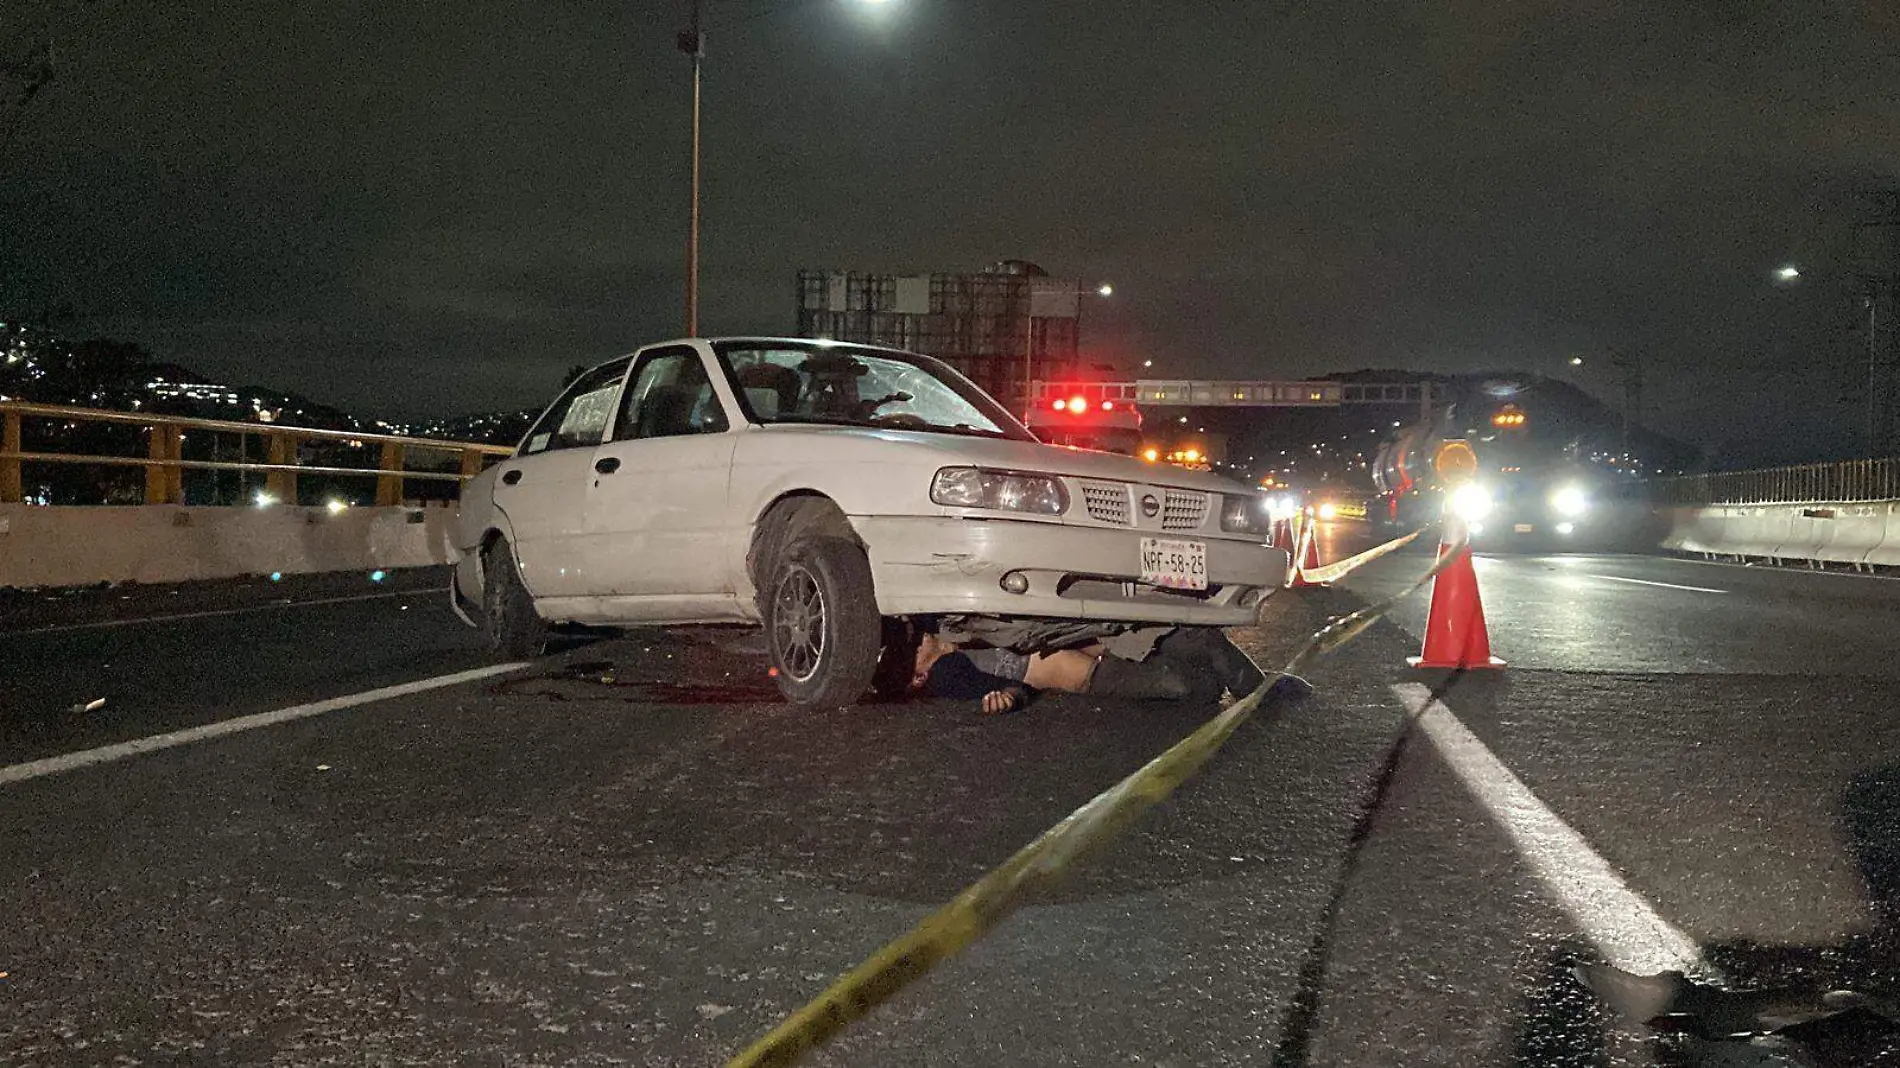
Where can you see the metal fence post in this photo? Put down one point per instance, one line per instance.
(164, 482)
(389, 487)
(471, 464)
(12, 483)
(282, 484)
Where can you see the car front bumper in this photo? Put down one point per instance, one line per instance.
(928, 565)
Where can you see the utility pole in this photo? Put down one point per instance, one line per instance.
(1632, 367)
(1879, 255)
(692, 41)
(1029, 343)
(1872, 301)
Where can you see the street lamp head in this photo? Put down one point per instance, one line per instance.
(1787, 272)
(1105, 290)
(1576, 361)
(1147, 363)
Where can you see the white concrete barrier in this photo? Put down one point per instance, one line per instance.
(1855, 532)
(1886, 552)
(1757, 530)
(1864, 532)
(76, 546)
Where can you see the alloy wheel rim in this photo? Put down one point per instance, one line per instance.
(799, 623)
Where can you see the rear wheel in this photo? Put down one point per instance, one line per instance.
(821, 622)
(509, 621)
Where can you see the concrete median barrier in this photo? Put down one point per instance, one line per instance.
(1886, 552)
(78, 546)
(1857, 533)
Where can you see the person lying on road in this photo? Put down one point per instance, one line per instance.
(1191, 662)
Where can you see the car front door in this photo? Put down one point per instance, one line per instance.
(542, 489)
(656, 508)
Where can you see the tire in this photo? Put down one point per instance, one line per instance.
(509, 622)
(821, 622)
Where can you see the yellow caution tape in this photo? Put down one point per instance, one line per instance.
(1039, 866)
(1337, 570)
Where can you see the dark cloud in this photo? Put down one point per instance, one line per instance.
(411, 208)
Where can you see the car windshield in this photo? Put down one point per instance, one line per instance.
(785, 382)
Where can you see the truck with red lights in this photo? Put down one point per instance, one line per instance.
(1082, 417)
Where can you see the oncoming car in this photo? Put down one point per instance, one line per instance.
(826, 491)
(1542, 511)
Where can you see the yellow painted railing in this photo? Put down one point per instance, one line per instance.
(165, 463)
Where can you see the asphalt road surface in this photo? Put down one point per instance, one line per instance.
(630, 853)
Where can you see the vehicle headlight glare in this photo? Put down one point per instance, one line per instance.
(1569, 501)
(1471, 502)
(1328, 510)
(1244, 515)
(1003, 491)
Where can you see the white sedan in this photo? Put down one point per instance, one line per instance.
(825, 491)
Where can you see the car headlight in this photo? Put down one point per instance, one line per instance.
(1569, 501)
(1471, 502)
(1003, 491)
(1327, 510)
(1245, 515)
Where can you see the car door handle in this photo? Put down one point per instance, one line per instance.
(511, 477)
(607, 465)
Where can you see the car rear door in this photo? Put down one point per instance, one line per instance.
(542, 489)
(657, 522)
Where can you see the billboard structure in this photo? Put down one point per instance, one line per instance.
(1003, 327)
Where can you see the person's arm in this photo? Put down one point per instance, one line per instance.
(1000, 702)
(955, 676)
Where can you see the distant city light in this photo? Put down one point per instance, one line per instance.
(1576, 361)
(335, 506)
(1787, 272)
(378, 576)
(265, 500)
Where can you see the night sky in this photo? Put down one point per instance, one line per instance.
(411, 209)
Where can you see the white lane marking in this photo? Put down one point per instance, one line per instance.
(1628, 931)
(1771, 569)
(208, 613)
(1664, 585)
(104, 754)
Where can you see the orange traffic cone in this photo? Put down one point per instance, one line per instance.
(1305, 558)
(1282, 536)
(1455, 635)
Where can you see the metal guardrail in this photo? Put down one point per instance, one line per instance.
(165, 463)
(1846, 480)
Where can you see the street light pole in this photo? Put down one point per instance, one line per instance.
(693, 42)
(1873, 370)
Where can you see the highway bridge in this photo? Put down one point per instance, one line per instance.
(309, 821)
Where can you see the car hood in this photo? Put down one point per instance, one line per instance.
(952, 449)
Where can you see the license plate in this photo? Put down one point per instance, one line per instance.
(1180, 565)
(1524, 528)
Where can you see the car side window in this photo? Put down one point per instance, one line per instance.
(669, 395)
(579, 418)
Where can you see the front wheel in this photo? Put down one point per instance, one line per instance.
(509, 621)
(822, 623)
